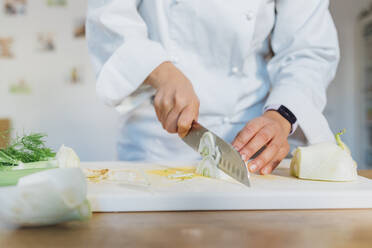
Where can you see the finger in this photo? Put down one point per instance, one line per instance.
(247, 133)
(261, 138)
(282, 153)
(186, 119)
(170, 123)
(157, 100)
(166, 106)
(265, 157)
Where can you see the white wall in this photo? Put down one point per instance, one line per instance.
(69, 114)
(343, 109)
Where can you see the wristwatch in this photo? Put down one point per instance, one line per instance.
(286, 113)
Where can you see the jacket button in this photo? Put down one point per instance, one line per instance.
(235, 70)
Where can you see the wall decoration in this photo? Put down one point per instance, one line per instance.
(21, 87)
(56, 2)
(79, 28)
(45, 42)
(5, 131)
(6, 47)
(15, 7)
(76, 75)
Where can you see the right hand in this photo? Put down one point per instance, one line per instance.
(175, 102)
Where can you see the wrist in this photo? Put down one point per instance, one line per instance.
(158, 76)
(284, 123)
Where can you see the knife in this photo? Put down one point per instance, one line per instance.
(231, 162)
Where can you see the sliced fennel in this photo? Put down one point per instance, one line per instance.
(324, 161)
(46, 198)
(210, 157)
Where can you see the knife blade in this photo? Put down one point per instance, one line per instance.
(231, 162)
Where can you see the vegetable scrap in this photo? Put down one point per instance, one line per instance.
(326, 161)
(41, 187)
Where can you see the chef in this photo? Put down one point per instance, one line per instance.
(251, 71)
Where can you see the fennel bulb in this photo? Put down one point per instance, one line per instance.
(324, 161)
(67, 158)
(46, 198)
(210, 157)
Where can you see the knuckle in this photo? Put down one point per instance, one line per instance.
(166, 103)
(157, 101)
(277, 127)
(260, 162)
(170, 128)
(266, 156)
(264, 136)
(249, 128)
(274, 147)
(254, 145)
(274, 126)
(249, 151)
(180, 102)
(241, 138)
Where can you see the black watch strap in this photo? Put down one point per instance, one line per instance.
(287, 114)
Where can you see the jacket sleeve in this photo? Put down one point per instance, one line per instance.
(305, 44)
(122, 53)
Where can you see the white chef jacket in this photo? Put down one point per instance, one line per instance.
(223, 48)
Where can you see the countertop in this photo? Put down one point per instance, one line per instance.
(288, 228)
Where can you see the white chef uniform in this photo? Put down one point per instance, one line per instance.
(222, 47)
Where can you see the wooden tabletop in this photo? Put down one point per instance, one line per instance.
(299, 228)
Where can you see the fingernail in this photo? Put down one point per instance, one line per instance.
(253, 167)
(266, 170)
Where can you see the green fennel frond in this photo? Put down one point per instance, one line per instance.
(27, 149)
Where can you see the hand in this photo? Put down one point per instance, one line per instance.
(176, 103)
(272, 130)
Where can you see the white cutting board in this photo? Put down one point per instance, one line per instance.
(277, 191)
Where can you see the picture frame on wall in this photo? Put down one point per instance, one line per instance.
(4, 132)
(6, 47)
(45, 42)
(56, 2)
(21, 87)
(79, 28)
(15, 7)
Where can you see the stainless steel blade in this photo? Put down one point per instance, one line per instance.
(231, 162)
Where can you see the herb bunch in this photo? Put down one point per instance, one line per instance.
(27, 149)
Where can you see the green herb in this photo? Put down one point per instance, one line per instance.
(27, 149)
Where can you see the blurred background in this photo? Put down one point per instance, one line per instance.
(47, 83)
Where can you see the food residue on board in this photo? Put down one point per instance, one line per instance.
(118, 176)
(133, 176)
(97, 175)
(180, 173)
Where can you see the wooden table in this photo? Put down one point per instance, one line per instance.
(301, 228)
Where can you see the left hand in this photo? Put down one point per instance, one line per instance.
(270, 129)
